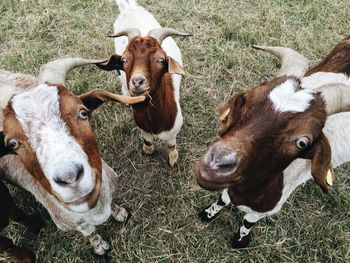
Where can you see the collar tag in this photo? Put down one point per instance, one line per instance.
(330, 176)
(223, 117)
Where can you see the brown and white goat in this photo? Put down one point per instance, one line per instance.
(57, 157)
(151, 67)
(279, 135)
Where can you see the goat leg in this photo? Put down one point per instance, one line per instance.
(172, 152)
(100, 246)
(148, 147)
(208, 214)
(243, 237)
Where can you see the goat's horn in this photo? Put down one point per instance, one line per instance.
(336, 97)
(55, 72)
(129, 32)
(162, 33)
(292, 62)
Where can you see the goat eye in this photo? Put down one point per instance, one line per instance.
(83, 114)
(302, 142)
(161, 61)
(124, 61)
(13, 144)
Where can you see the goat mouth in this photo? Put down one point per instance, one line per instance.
(210, 180)
(134, 93)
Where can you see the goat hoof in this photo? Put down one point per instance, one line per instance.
(22, 255)
(205, 217)
(238, 243)
(121, 214)
(148, 149)
(173, 158)
(102, 248)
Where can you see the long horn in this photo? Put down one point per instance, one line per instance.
(129, 32)
(162, 33)
(55, 72)
(292, 62)
(336, 97)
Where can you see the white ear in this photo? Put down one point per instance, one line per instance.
(174, 67)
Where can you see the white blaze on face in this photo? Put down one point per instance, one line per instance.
(59, 154)
(284, 97)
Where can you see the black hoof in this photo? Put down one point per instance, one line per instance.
(204, 216)
(237, 243)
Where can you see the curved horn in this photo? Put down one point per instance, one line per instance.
(292, 62)
(129, 32)
(336, 97)
(55, 72)
(162, 33)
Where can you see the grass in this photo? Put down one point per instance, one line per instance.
(312, 227)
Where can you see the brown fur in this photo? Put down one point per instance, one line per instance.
(157, 113)
(338, 61)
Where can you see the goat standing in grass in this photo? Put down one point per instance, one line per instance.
(151, 65)
(276, 137)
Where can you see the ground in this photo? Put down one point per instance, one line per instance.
(219, 60)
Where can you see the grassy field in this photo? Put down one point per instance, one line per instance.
(219, 60)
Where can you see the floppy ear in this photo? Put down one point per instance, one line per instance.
(321, 167)
(95, 98)
(114, 63)
(174, 67)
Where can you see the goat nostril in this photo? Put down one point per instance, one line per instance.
(80, 173)
(138, 81)
(60, 182)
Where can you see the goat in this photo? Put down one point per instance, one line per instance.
(56, 154)
(277, 136)
(10, 211)
(151, 67)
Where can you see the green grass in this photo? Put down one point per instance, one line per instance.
(219, 60)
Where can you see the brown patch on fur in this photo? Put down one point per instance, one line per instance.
(338, 61)
(70, 105)
(12, 129)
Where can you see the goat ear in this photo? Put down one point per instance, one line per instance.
(95, 98)
(321, 167)
(114, 63)
(174, 67)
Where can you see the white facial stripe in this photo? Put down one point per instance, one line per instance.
(285, 98)
(319, 79)
(57, 151)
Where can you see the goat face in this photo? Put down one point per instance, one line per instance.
(144, 63)
(48, 128)
(263, 131)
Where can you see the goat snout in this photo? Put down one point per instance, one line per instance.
(221, 161)
(69, 177)
(138, 81)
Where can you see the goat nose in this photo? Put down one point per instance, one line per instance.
(221, 161)
(138, 81)
(70, 176)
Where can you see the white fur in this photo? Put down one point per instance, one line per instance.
(319, 79)
(38, 113)
(134, 16)
(285, 98)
